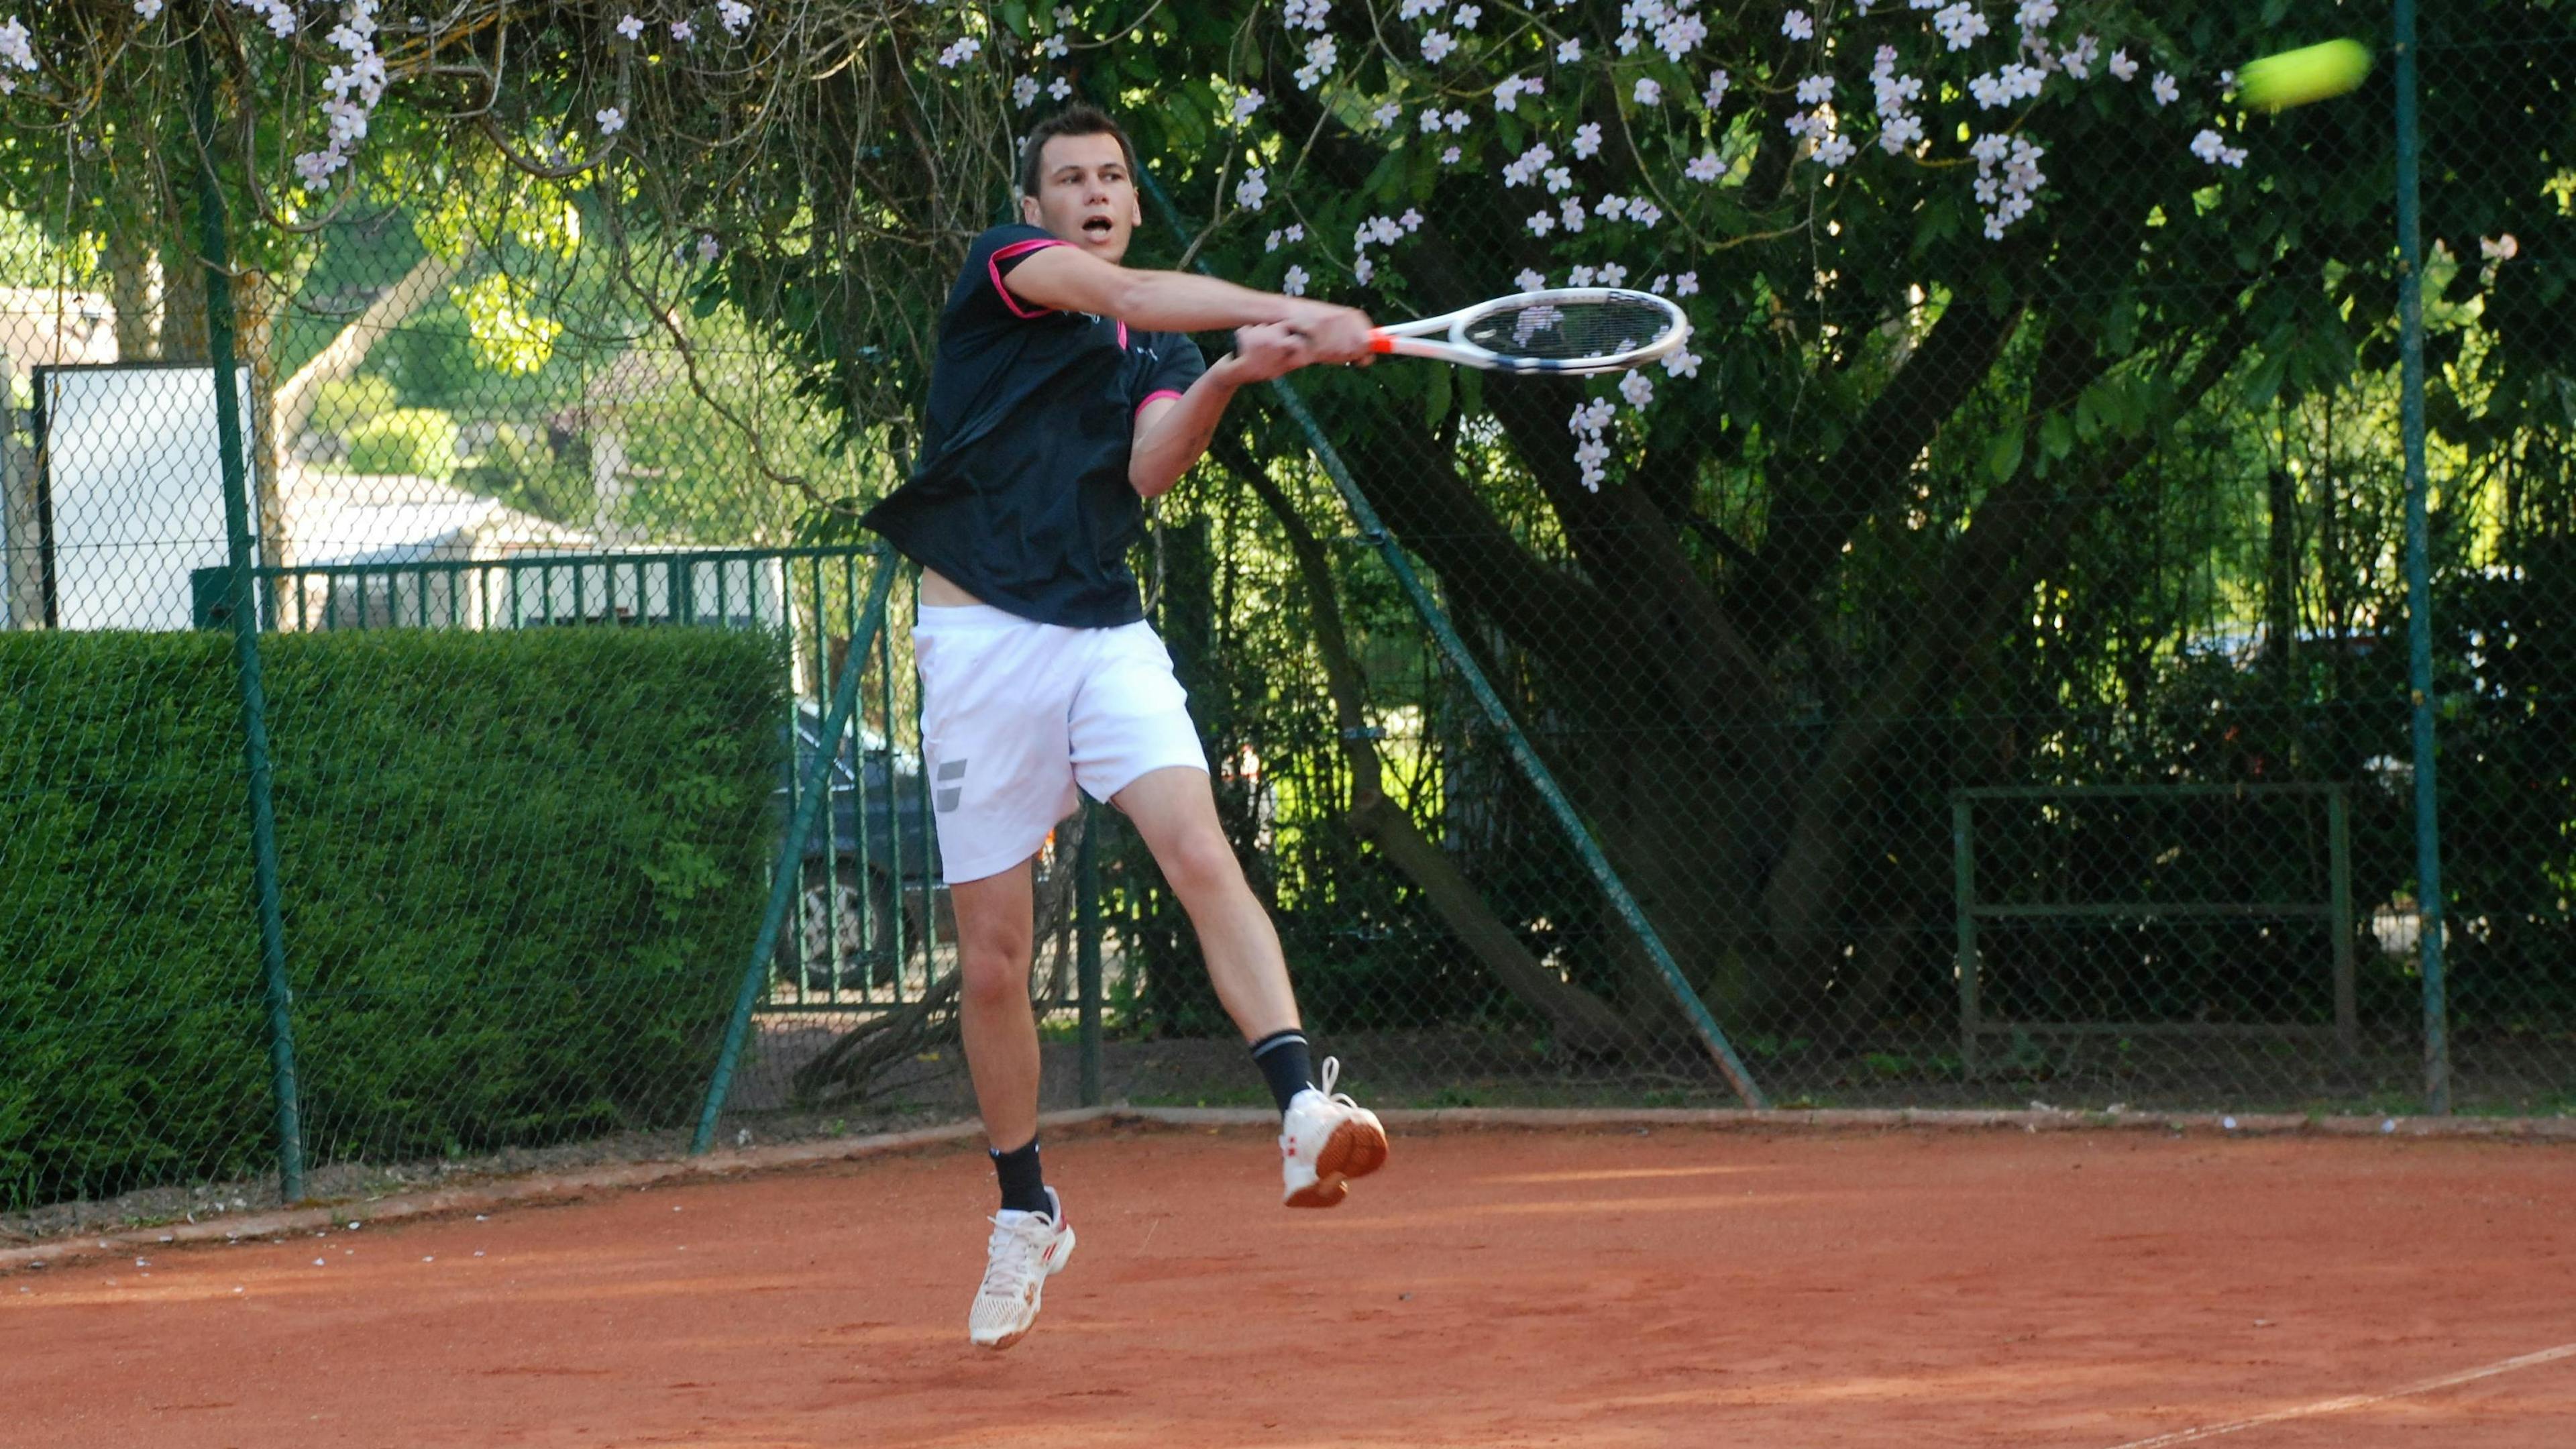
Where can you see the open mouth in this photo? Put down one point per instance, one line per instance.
(1097, 228)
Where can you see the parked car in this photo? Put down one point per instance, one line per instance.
(873, 846)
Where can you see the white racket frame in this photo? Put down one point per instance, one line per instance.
(1444, 338)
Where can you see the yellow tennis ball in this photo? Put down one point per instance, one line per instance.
(2296, 77)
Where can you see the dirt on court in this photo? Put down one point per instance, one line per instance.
(1606, 1287)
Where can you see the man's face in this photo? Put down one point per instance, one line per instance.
(1085, 195)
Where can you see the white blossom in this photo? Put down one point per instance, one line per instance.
(148, 9)
(1411, 220)
(1437, 45)
(1541, 223)
(1063, 16)
(1569, 52)
(1686, 285)
(1587, 140)
(1682, 362)
(1450, 156)
(1900, 131)
(1571, 212)
(708, 248)
(1252, 190)
(2035, 14)
(1507, 97)
(1815, 88)
(1529, 281)
(1296, 231)
(733, 15)
(1297, 14)
(1961, 24)
(1294, 284)
(611, 121)
(2003, 87)
(1560, 179)
(1467, 16)
(1835, 150)
(1526, 167)
(2164, 89)
(1612, 274)
(1628, 42)
(684, 32)
(1271, 243)
(2078, 59)
(1703, 167)
(2209, 147)
(1645, 214)
(1059, 88)
(1056, 47)
(1797, 26)
(630, 28)
(1362, 270)
(1386, 115)
(1661, 281)
(960, 51)
(1458, 119)
(1024, 92)
(1649, 91)
(1609, 207)
(1716, 92)
(1430, 119)
(1579, 277)
(1321, 56)
(2123, 67)
(1415, 9)
(1638, 389)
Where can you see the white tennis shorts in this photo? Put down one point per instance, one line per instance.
(1016, 715)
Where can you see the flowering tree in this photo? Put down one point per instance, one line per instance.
(1955, 269)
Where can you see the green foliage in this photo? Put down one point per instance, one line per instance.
(345, 405)
(519, 871)
(416, 441)
(522, 470)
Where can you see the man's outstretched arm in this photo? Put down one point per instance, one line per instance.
(1173, 433)
(1071, 280)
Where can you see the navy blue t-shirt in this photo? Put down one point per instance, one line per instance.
(1021, 496)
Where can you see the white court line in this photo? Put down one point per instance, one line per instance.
(2355, 1401)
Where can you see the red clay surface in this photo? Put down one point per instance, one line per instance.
(1600, 1288)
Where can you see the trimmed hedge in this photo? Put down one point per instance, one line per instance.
(519, 870)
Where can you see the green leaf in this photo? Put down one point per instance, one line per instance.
(1435, 399)
(2056, 436)
(2003, 455)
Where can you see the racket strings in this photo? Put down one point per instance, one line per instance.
(1571, 328)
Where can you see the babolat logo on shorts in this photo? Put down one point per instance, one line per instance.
(947, 796)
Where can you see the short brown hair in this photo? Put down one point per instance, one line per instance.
(1074, 120)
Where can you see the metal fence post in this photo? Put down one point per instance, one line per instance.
(2419, 584)
(1086, 907)
(813, 789)
(239, 546)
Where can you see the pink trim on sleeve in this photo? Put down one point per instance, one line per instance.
(993, 265)
(1122, 334)
(1151, 396)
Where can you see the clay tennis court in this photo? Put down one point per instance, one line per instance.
(1601, 1287)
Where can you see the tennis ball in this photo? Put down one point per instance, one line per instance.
(2296, 77)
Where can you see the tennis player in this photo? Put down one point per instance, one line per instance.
(1064, 392)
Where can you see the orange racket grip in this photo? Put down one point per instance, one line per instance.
(1380, 342)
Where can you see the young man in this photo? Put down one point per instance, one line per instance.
(1064, 393)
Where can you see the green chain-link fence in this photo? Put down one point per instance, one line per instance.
(1977, 672)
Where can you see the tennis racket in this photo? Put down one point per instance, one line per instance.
(1579, 330)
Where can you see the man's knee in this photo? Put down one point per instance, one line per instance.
(993, 972)
(1201, 863)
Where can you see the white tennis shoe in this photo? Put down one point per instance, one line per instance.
(1026, 1249)
(1326, 1140)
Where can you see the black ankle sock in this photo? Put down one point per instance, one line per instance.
(1023, 1186)
(1283, 1059)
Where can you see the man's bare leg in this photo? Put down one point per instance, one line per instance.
(1324, 1140)
(995, 921)
(1175, 811)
